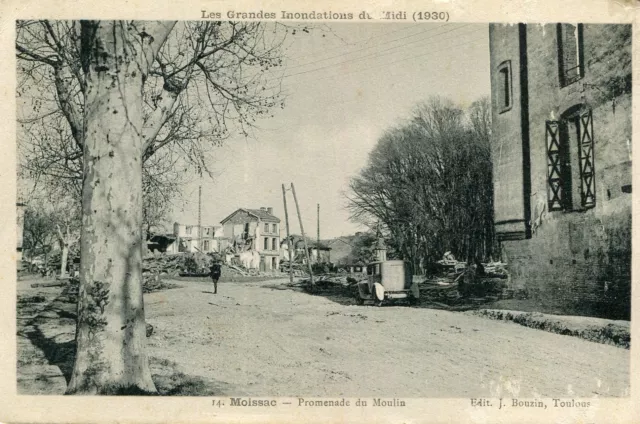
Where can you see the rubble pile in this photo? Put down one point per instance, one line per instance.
(197, 265)
(299, 269)
(459, 283)
(174, 265)
(448, 263)
(153, 283)
(331, 283)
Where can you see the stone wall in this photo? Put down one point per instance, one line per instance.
(576, 262)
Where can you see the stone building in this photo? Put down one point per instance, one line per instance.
(256, 230)
(188, 238)
(561, 148)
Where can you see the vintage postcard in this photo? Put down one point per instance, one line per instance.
(395, 212)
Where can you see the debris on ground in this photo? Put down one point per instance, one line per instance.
(331, 283)
(154, 283)
(449, 263)
(176, 264)
(299, 269)
(195, 265)
(598, 330)
(455, 284)
(57, 283)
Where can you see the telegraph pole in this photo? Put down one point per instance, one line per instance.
(200, 218)
(286, 220)
(306, 248)
(318, 242)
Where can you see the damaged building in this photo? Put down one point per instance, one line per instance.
(561, 150)
(318, 252)
(256, 230)
(188, 238)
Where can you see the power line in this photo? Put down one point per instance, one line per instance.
(390, 63)
(373, 55)
(365, 48)
(362, 41)
(385, 64)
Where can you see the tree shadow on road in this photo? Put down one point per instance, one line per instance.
(336, 293)
(51, 335)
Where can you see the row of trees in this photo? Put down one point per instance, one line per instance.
(112, 114)
(428, 182)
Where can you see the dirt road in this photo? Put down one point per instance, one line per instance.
(266, 339)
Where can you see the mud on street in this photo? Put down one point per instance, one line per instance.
(266, 339)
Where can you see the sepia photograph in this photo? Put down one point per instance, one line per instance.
(321, 207)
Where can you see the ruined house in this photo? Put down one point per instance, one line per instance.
(318, 253)
(257, 230)
(561, 150)
(191, 238)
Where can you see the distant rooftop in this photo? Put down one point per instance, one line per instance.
(263, 214)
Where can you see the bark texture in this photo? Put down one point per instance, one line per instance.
(111, 333)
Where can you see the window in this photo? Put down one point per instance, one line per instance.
(505, 91)
(570, 60)
(266, 228)
(188, 229)
(274, 228)
(266, 243)
(570, 162)
(205, 246)
(274, 244)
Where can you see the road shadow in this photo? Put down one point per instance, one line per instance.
(346, 295)
(51, 335)
(171, 382)
(337, 293)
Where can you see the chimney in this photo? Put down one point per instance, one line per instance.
(262, 208)
(270, 211)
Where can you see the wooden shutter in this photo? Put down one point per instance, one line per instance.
(587, 164)
(554, 168)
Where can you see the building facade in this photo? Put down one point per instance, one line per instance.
(317, 253)
(189, 238)
(561, 150)
(255, 230)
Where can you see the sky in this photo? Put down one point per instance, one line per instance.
(345, 85)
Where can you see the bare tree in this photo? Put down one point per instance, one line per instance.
(130, 90)
(39, 233)
(429, 182)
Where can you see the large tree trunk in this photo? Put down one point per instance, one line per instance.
(111, 334)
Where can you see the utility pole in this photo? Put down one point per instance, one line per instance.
(318, 241)
(306, 248)
(286, 220)
(200, 218)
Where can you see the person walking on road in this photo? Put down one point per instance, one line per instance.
(215, 272)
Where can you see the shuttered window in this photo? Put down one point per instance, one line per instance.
(559, 166)
(554, 167)
(587, 168)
